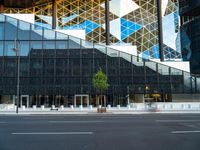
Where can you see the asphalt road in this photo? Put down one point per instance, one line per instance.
(100, 132)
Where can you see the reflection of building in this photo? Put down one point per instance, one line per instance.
(190, 33)
(56, 68)
(132, 22)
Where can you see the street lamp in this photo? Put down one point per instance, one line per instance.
(17, 51)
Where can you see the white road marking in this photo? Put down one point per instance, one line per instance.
(177, 120)
(43, 118)
(76, 121)
(54, 133)
(183, 132)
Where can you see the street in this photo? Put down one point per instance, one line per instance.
(100, 132)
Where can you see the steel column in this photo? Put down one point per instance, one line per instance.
(160, 29)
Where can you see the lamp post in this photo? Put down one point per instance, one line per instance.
(17, 51)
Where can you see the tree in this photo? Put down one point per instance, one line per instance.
(100, 82)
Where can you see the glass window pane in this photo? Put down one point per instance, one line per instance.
(10, 29)
(49, 44)
(23, 30)
(24, 48)
(1, 31)
(74, 42)
(2, 18)
(61, 36)
(61, 44)
(36, 32)
(1, 48)
(36, 45)
(49, 35)
(9, 49)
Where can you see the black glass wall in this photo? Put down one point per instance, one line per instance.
(52, 63)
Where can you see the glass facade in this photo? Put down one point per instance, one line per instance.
(132, 22)
(54, 64)
(190, 35)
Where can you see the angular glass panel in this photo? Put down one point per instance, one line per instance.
(74, 42)
(175, 71)
(125, 56)
(162, 69)
(1, 48)
(24, 48)
(2, 18)
(9, 49)
(24, 31)
(137, 61)
(100, 48)
(36, 32)
(49, 44)
(86, 44)
(2, 31)
(150, 65)
(49, 34)
(61, 44)
(61, 36)
(113, 53)
(36, 44)
(198, 84)
(10, 29)
(187, 82)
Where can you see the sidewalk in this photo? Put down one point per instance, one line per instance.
(90, 111)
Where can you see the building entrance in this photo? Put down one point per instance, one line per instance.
(81, 100)
(24, 101)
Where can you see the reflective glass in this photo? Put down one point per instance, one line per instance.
(1, 48)
(24, 48)
(10, 29)
(187, 82)
(113, 53)
(125, 56)
(36, 44)
(36, 32)
(100, 48)
(61, 44)
(86, 44)
(74, 42)
(151, 65)
(49, 35)
(2, 18)
(1, 31)
(61, 36)
(9, 49)
(162, 69)
(49, 44)
(198, 84)
(24, 31)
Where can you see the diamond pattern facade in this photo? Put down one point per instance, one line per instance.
(132, 21)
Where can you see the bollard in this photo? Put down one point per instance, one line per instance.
(52, 106)
(62, 107)
(42, 107)
(34, 107)
(23, 107)
(109, 106)
(128, 107)
(80, 107)
(90, 107)
(71, 106)
(118, 106)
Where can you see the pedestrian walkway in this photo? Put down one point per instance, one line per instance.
(85, 111)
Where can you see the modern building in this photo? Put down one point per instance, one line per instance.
(190, 33)
(57, 68)
(132, 22)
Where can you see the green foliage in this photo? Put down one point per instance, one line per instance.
(100, 81)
